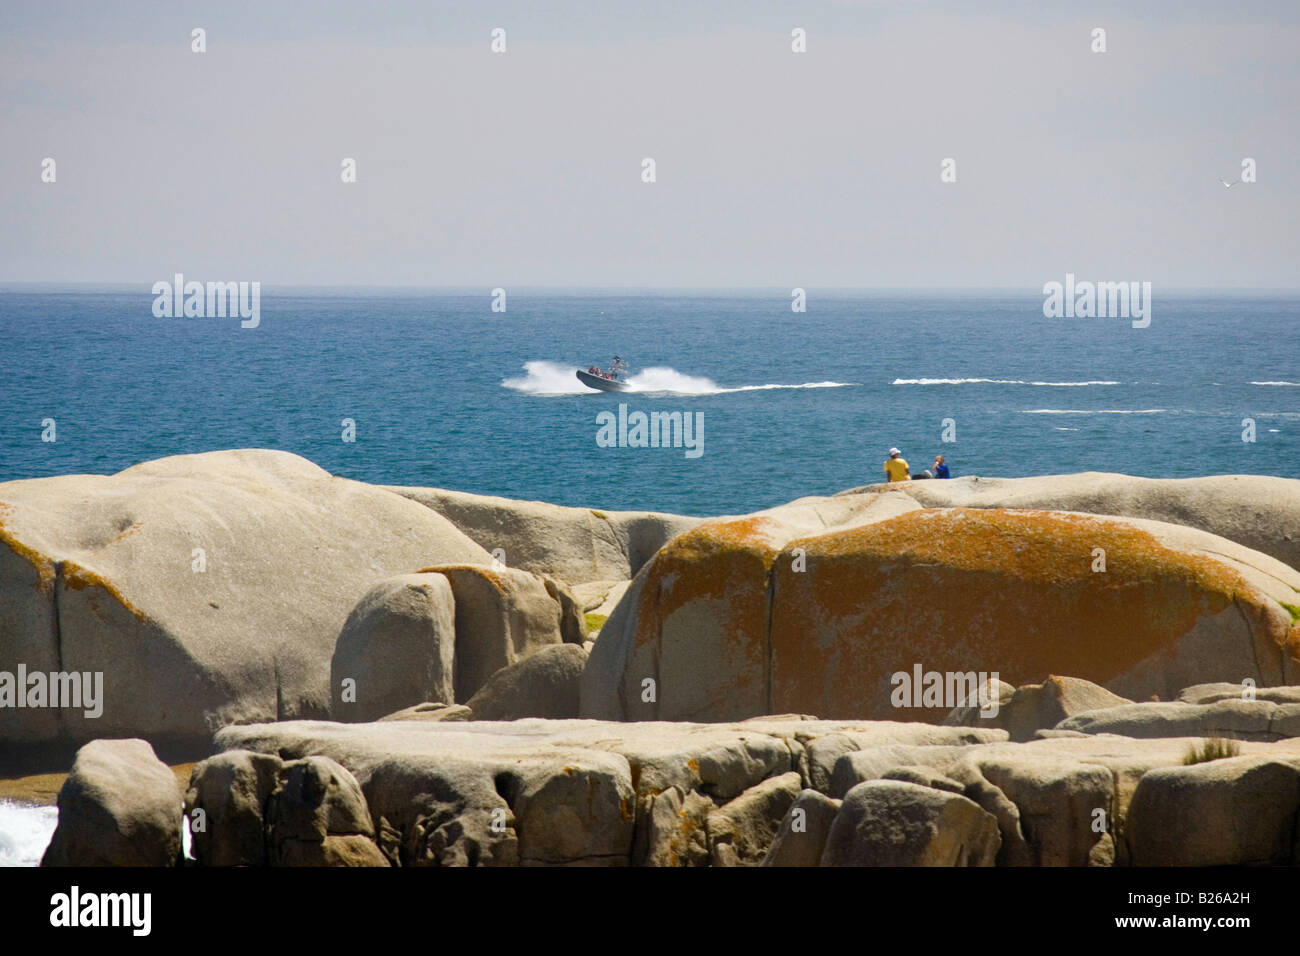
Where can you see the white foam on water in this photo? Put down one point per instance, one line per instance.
(1287, 384)
(663, 379)
(25, 832)
(993, 381)
(555, 378)
(764, 388)
(660, 379)
(1093, 411)
(547, 378)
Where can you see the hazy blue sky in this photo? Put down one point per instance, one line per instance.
(774, 168)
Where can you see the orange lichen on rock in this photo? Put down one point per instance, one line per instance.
(710, 561)
(1017, 592)
(43, 564)
(486, 573)
(701, 622)
(77, 578)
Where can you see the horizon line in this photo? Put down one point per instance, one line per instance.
(7, 285)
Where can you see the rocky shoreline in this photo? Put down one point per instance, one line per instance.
(407, 676)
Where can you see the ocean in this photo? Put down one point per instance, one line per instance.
(446, 392)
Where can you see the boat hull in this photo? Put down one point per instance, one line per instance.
(604, 384)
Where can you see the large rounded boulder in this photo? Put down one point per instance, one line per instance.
(207, 589)
(544, 684)
(504, 615)
(120, 806)
(396, 650)
(736, 619)
(688, 640)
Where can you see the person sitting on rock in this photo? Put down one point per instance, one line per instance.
(940, 469)
(896, 468)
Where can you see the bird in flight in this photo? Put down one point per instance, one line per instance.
(1235, 182)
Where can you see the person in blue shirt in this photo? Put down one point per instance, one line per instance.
(940, 469)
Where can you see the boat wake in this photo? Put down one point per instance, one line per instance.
(992, 381)
(554, 378)
(1094, 411)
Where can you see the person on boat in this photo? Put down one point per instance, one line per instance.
(896, 467)
(940, 469)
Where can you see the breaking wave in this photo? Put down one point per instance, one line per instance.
(25, 832)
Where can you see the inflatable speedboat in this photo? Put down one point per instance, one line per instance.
(607, 381)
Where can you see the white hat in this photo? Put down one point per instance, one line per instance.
(894, 451)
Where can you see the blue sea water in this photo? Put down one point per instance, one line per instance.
(445, 392)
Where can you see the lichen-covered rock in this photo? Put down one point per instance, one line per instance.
(120, 806)
(737, 618)
(1016, 593)
(673, 829)
(1261, 512)
(688, 639)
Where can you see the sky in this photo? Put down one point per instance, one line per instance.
(772, 168)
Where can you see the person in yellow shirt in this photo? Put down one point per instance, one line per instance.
(896, 468)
